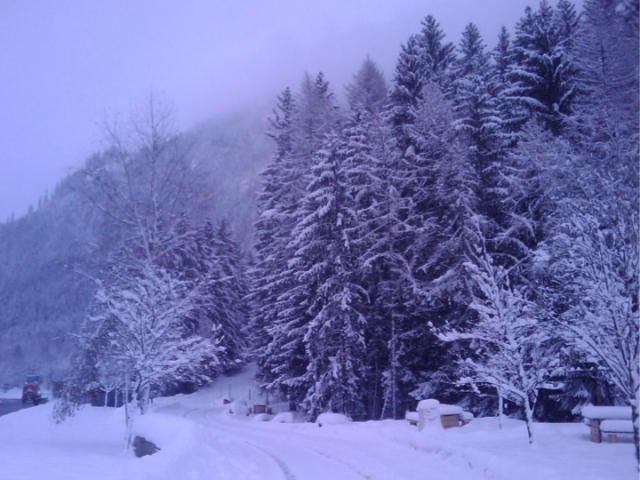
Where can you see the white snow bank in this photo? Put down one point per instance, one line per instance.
(12, 393)
(604, 413)
(332, 419)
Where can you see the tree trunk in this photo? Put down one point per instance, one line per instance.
(127, 415)
(528, 410)
(635, 418)
(500, 407)
(143, 399)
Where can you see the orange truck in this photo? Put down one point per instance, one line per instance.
(31, 389)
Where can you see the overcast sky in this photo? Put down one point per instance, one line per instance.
(66, 64)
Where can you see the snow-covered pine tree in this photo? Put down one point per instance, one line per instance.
(368, 155)
(276, 202)
(224, 286)
(502, 56)
(277, 324)
(437, 198)
(608, 105)
(545, 72)
(368, 90)
(473, 58)
(437, 56)
(478, 118)
(316, 115)
(408, 83)
(209, 257)
(368, 158)
(328, 272)
(423, 59)
(513, 113)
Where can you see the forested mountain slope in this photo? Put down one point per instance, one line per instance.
(51, 258)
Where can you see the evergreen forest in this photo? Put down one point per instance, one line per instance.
(463, 228)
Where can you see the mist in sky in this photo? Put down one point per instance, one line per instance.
(66, 65)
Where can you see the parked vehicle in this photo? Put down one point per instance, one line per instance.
(31, 390)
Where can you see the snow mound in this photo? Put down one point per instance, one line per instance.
(261, 417)
(239, 408)
(332, 419)
(283, 417)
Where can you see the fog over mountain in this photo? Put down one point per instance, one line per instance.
(51, 258)
(68, 65)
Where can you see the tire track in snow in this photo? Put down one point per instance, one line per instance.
(286, 469)
(324, 454)
(281, 465)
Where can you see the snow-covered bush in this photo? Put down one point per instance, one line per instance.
(283, 417)
(332, 419)
(239, 408)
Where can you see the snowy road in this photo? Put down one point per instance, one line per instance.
(295, 458)
(306, 452)
(10, 405)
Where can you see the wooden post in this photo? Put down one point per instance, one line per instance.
(595, 431)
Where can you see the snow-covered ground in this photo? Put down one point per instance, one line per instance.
(200, 439)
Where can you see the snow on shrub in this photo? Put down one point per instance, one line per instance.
(261, 417)
(239, 408)
(332, 419)
(283, 417)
